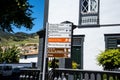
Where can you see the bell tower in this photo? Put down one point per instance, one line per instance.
(89, 13)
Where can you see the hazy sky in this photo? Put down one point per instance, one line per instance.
(38, 14)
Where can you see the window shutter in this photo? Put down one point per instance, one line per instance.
(111, 43)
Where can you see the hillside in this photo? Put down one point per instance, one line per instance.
(18, 38)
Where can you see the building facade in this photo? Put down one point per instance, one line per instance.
(29, 53)
(98, 27)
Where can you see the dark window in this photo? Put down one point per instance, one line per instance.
(112, 41)
(85, 6)
(76, 41)
(25, 57)
(118, 42)
(93, 6)
(89, 13)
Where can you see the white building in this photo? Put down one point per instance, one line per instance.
(30, 54)
(98, 27)
(29, 58)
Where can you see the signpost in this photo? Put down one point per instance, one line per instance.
(59, 40)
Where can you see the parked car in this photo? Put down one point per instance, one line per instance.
(6, 70)
(0, 70)
(16, 71)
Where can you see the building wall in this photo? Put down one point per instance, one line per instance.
(109, 11)
(62, 10)
(29, 59)
(94, 40)
(94, 43)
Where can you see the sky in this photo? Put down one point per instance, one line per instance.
(38, 11)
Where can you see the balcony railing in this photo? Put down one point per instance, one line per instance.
(78, 74)
(29, 74)
(70, 74)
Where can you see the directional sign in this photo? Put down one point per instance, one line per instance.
(59, 40)
(59, 45)
(58, 50)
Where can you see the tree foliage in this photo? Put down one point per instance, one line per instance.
(109, 59)
(9, 54)
(15, 13)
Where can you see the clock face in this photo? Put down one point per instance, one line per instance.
(89, 6)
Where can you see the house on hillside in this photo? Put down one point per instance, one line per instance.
(98, 27)
(29, 54)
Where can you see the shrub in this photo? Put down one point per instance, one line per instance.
(109, 59)
(74, 65)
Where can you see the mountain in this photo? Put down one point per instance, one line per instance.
(4, 36)
(17, 38)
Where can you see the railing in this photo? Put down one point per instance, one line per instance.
(70, 74)
(78, 74)
(29, 74)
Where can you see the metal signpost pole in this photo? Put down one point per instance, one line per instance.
(45, 53)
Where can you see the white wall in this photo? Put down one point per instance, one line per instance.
(30, 59)
(62, 10)
(109, 12)
(94, 42)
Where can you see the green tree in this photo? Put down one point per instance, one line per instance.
(109, 59)
(9, 54)
(15, 13)
(1, 54)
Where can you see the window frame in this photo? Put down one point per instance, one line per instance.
(115, 37)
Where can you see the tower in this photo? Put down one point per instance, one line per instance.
(89, 13)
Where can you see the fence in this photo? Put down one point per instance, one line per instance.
(29, 74)
(77, 74)
(70, 74)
